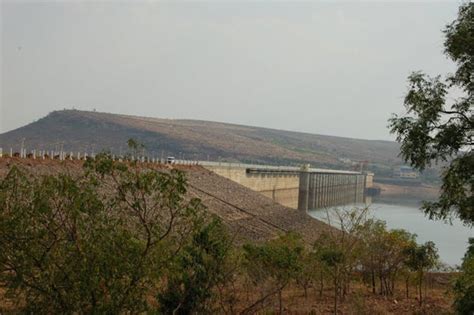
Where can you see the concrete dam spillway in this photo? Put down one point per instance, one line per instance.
(299, 188)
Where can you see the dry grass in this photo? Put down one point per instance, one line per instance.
(360, 301)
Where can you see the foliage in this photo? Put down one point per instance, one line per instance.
(199, 268)
(110, 239)
(334, 259)
(276, 262)
(311, 271)
(464, 286)
(434, 129)
(339, 250)
(366, 246)
(99, 241)
(384, 254)
(422, 258)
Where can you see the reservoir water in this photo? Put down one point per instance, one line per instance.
(450, 239)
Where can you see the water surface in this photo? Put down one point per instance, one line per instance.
(451, 240)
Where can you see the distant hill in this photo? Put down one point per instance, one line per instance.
(94, 131)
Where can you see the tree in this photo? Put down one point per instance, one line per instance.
(464, 286)
(334, 259)
(198, 269)
(311, 269)
(372, 235)
(276, 262)
(422, 258)
(345, 238)
(339, 249)
(95, 242)
(435, 129)
(383, 254)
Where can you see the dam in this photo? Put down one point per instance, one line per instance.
(299, 188)
(302, 188)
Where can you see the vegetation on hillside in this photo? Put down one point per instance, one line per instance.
(99, 242)
(121, 238)
(93, 131)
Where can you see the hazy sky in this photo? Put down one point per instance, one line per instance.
(336, 68)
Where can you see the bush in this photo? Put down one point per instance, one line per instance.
(464, 286)
(276, 263)
(198, 269)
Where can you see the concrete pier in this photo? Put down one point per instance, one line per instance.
(325, 189)
(300, 188)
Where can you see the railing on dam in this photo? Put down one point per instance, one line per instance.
(264, 168)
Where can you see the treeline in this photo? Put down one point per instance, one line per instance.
(361, 249)
(121, 238)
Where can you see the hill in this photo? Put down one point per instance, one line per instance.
(201, 140)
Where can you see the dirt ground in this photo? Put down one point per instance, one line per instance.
(360, 301)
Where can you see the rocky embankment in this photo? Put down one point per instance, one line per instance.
(249, 215)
